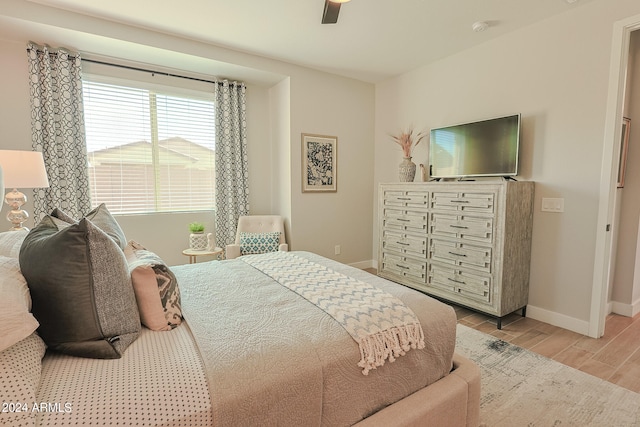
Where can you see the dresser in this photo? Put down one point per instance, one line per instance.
(465, 242)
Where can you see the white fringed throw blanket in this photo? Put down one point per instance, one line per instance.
(382, 325)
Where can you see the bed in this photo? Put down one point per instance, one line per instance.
(249, 351)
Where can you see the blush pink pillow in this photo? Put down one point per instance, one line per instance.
(155, 287)
(145, 286)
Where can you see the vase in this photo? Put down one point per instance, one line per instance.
(198, 241)
(407, 170)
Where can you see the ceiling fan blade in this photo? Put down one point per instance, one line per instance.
(330, 14)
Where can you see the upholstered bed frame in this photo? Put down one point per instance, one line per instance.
(453, 401)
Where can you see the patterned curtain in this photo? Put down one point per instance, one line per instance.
(57, 130)
(232, 184)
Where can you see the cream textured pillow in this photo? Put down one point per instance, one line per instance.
(13, 285)
(156, 289)
(10, 242)
(15, 324)
(16, 321)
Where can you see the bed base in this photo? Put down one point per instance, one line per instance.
(453, 401)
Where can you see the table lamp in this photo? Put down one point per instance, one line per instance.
(21, 169)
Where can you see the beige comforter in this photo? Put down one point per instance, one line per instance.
(273, 358)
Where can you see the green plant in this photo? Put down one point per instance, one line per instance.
(196, 227)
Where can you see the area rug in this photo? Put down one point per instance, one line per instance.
(522, 388)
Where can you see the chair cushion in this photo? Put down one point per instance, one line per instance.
(80, 289)
(259, 243)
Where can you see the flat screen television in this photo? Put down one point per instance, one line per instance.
(483, 148)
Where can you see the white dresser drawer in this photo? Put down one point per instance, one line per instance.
(410, 199)
(405, 267)
(405, 220)
(460, 282)
(404, 243)
(470, 228)
(460, 254)
(463, 201)
(465, 242)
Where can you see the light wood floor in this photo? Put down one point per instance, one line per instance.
(615, 357)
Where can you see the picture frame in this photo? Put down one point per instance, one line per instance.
(319, 163)
(624, 148)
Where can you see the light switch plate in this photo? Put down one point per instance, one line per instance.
(552, 204)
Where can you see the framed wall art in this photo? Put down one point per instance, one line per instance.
(319, 163)
(624, 148)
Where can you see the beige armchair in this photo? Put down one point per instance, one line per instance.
(257, 224)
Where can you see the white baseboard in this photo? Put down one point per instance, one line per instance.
(546, 316)
(557, 319)
(628, 310)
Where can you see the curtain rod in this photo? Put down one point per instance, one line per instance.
(145, 70)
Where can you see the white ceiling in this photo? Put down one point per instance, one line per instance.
(373, 39)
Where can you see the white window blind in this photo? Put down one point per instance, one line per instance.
(149, 151)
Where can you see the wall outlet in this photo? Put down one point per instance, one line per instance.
(337, 250)
(552, 205)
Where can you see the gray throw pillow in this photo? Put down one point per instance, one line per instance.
(80, 288)
(100, 217)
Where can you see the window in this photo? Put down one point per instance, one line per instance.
(149, 151)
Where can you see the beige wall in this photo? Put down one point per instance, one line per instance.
(556, 74)
(323, 220)
(300, 100)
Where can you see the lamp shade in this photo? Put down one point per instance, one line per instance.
(23, 169)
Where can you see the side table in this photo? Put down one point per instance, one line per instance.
(193, 255)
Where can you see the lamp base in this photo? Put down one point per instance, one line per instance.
(16, 216)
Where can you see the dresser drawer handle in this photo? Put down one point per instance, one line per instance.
(458, 226)
(456, 254)
(457, 281)
(402, 243)
(404, 198)
(459, 201)
(404, 220)
(402, 266)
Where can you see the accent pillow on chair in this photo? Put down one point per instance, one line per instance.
(257, 234)
(80, 288)
(259, 243)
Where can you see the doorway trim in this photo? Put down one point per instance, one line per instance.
(608, 174)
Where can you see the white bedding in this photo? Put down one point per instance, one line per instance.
(158, 382)
(304, 373)
(274, 358)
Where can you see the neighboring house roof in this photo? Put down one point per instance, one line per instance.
(172, 151)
